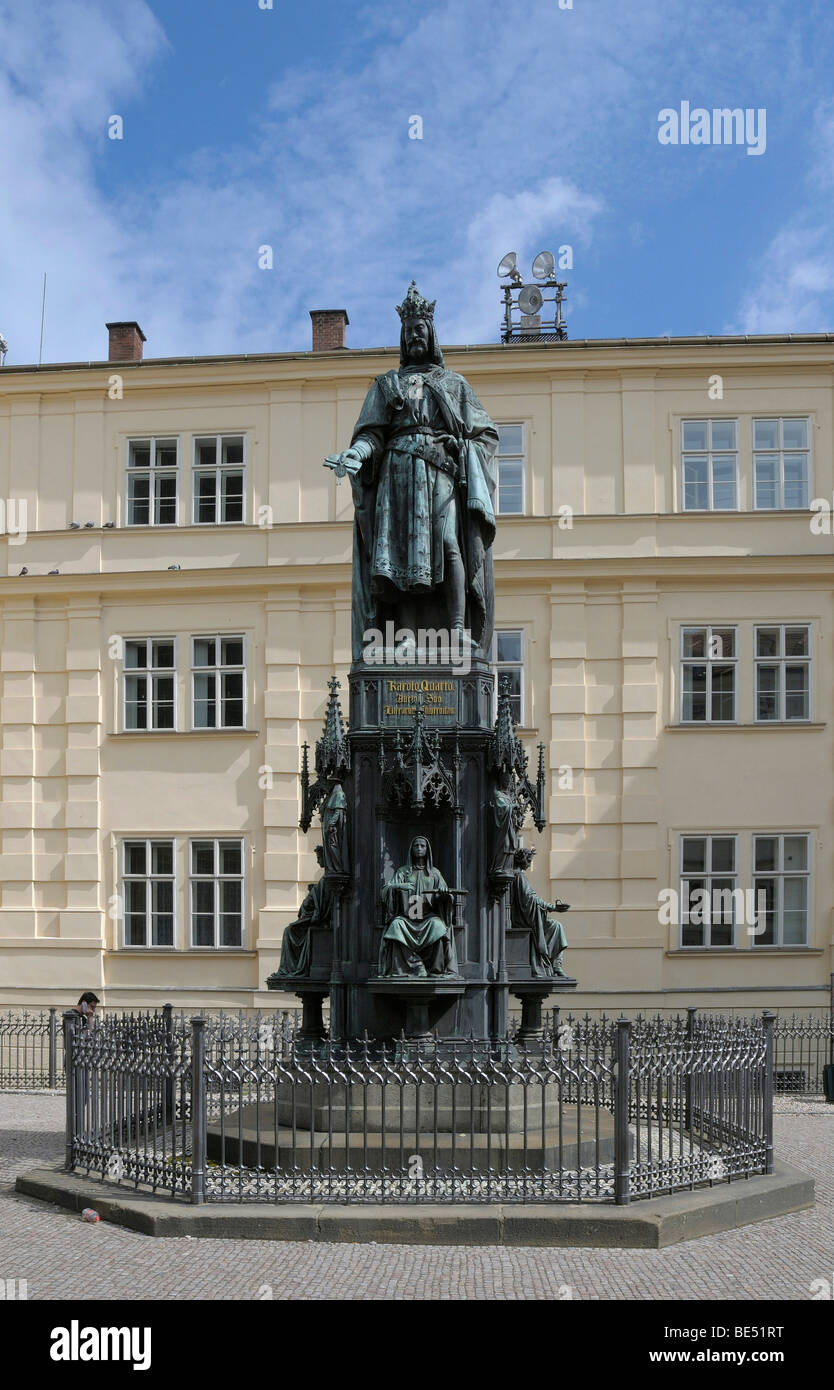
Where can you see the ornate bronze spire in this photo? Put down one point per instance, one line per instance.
(332, 756)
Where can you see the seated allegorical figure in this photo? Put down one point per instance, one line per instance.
(529, 913)
(418, 942)
(314, 912)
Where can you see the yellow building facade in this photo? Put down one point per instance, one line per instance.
(176, 594)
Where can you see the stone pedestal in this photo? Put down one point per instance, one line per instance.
(312, 996)
(424, 1001)
(423, 755)
(383, 822)
(532, 994)
(334, 1138)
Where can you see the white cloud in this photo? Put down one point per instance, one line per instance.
(539, 129)
(62, 71)
(793, 281)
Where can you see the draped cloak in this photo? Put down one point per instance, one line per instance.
(504, 835)
(416, 935)
(401, 493)
(547, 939)
(295, 946)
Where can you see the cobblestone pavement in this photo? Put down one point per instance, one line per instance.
(62, 1257)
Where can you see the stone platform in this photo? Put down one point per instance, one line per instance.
(497, 1108)
(546, 1148)
(648, 1225)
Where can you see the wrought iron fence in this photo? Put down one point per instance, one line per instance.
(32, 1046)
(803, 1042)
(31, 1050)
(219, 1111)
(32, 1041)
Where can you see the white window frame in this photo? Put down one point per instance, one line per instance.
(218, 469)
(708, 661)
(152, 473)
(150, 673)
(148, 878)
(780, 451)
(710, 455)
(511, 458)
(708, 876)
(219, 670)
(511, 665)
(782, 662)
(780, 874)
(217, 879)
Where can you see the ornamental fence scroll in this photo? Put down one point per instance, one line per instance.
(218, 1111)
(32, 1044)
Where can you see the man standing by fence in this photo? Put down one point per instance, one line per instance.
(86, 1007)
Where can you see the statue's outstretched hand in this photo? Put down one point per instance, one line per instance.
(346, 462)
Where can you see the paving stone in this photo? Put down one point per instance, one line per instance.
(61, 1257)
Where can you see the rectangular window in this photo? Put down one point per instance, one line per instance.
(509, 667)
(782, 873)
(709, 465)
(708, 675)
(148, 892)
(510, 461)
(709, 877)
(781, 464)
(218, 479)
(783, 673)
(218, 682)
(152, 472)
(216, 881)
(150, 683)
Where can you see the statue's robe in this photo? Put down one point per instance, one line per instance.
(334, 832)
(403, 494)
(422, 946)
(505, 839)
(547, 939)
(295, 946)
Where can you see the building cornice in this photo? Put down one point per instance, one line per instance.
(122, 584)
(357, 365)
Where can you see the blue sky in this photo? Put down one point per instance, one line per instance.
(289, 127)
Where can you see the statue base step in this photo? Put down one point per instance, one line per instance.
(368, 1108)
(576, 1143)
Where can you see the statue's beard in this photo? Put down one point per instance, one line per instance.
(422, 354)
(417, 349)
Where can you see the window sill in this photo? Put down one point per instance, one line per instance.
(184, 733)
(746, 951)
(740, 511)
(702, 727)
(178, 525)
(181, 951)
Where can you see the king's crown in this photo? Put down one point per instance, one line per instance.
(414, 306)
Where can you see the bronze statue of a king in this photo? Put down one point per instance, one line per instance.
(422, 473)
(423, 797)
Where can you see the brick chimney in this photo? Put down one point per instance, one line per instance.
(329, 329)
(126, 341)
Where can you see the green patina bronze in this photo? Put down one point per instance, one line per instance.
(423, 479)
(528, 912)
(418, 942)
